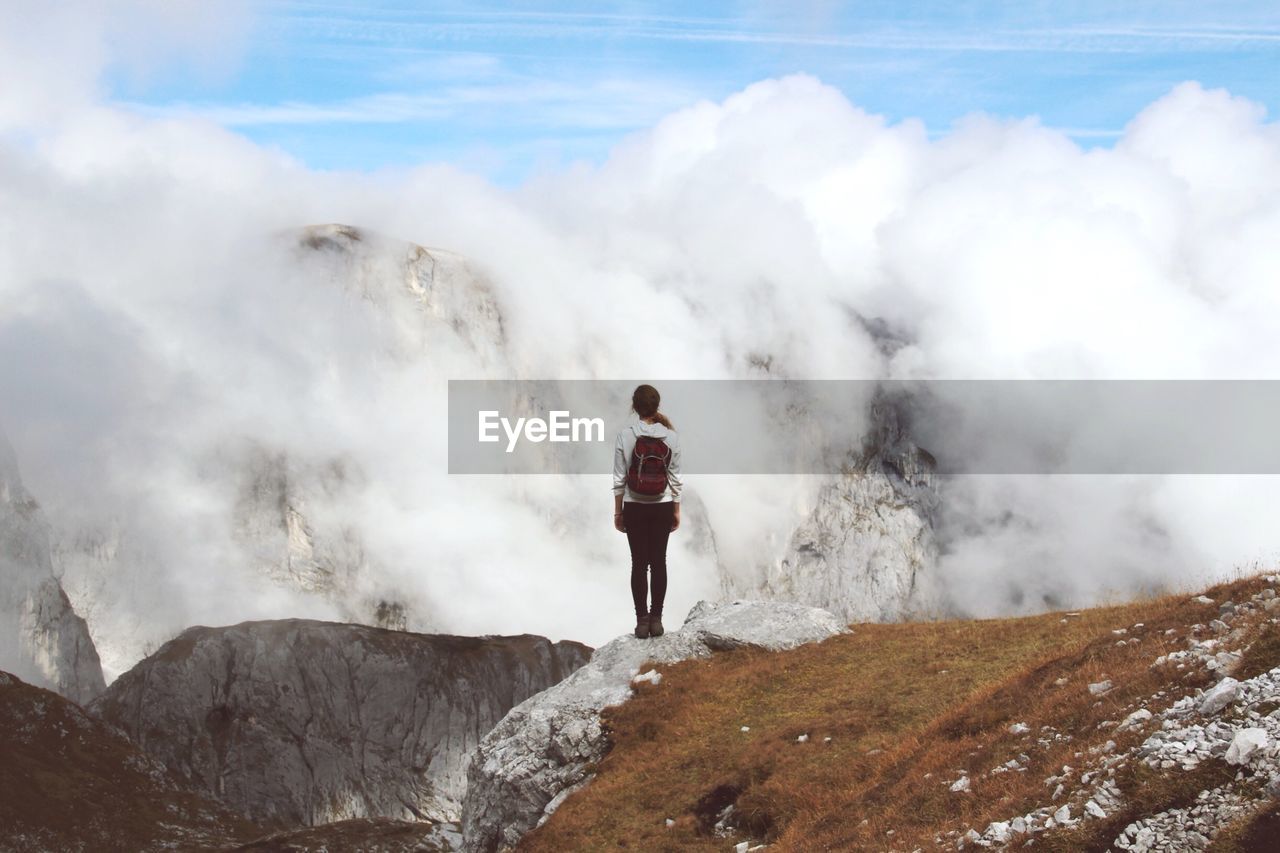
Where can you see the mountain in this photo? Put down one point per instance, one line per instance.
(867, 550)
(303, 723)
(288, 520)
(71, 782)
(41, 637)
(314, 512)
(1150, 725)
(290, 508)
(434, 302)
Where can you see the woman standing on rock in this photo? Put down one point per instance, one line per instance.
(646, 502)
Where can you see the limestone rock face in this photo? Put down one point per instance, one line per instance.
(301, 722)
(42, 640)
(433, 301)
(431, 306)
(288, 520)
(539, 754)
(288, 507)
(867, 549)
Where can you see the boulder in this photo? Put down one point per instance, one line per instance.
(1219, 696)
(1245, 743)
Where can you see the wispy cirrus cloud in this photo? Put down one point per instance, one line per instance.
(379, 24)
(603, 105)
(343, 84)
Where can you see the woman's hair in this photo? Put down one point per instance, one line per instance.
(644, 402)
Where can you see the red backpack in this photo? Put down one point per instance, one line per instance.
(648, 472)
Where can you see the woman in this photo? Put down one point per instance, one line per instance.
(644, 507)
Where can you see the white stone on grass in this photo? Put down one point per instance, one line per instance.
(1245, 744)
(1219, 696)
(1134, 720)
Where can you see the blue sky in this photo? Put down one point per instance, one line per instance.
(507, 90)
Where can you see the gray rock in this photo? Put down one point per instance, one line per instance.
(308, 722)
(42, 639)
(549, 743)
(1219, 696)
(867, 550)
(293, 511)
(1245, 743)
(1134, 720)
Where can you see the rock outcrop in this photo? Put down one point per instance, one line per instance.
(42, 640)
(298, 722)
(866, 550)
(542, 750)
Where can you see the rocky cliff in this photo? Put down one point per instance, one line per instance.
(288, 518)
(866, 550)
(300, 722)
(432, 301)
(542, 750)
(289, 508)
(41, 638)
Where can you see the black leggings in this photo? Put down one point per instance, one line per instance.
(648, 528)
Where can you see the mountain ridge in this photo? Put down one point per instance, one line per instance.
(307, 722)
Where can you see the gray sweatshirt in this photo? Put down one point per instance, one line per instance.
(622, 461)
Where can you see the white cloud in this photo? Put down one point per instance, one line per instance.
(53, 56)
(149, 318)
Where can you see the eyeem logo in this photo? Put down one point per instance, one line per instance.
(560, 427)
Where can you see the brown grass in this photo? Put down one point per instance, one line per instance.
(907, 707)
(69, 782)
(1259, 833)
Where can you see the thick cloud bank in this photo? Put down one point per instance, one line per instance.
(153, 319)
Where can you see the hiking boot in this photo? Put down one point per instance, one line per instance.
(655, 625)
(642, 627)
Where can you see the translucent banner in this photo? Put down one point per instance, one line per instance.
(825, 426)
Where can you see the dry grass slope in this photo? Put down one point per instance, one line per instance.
(69, 782)
(894, 714)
